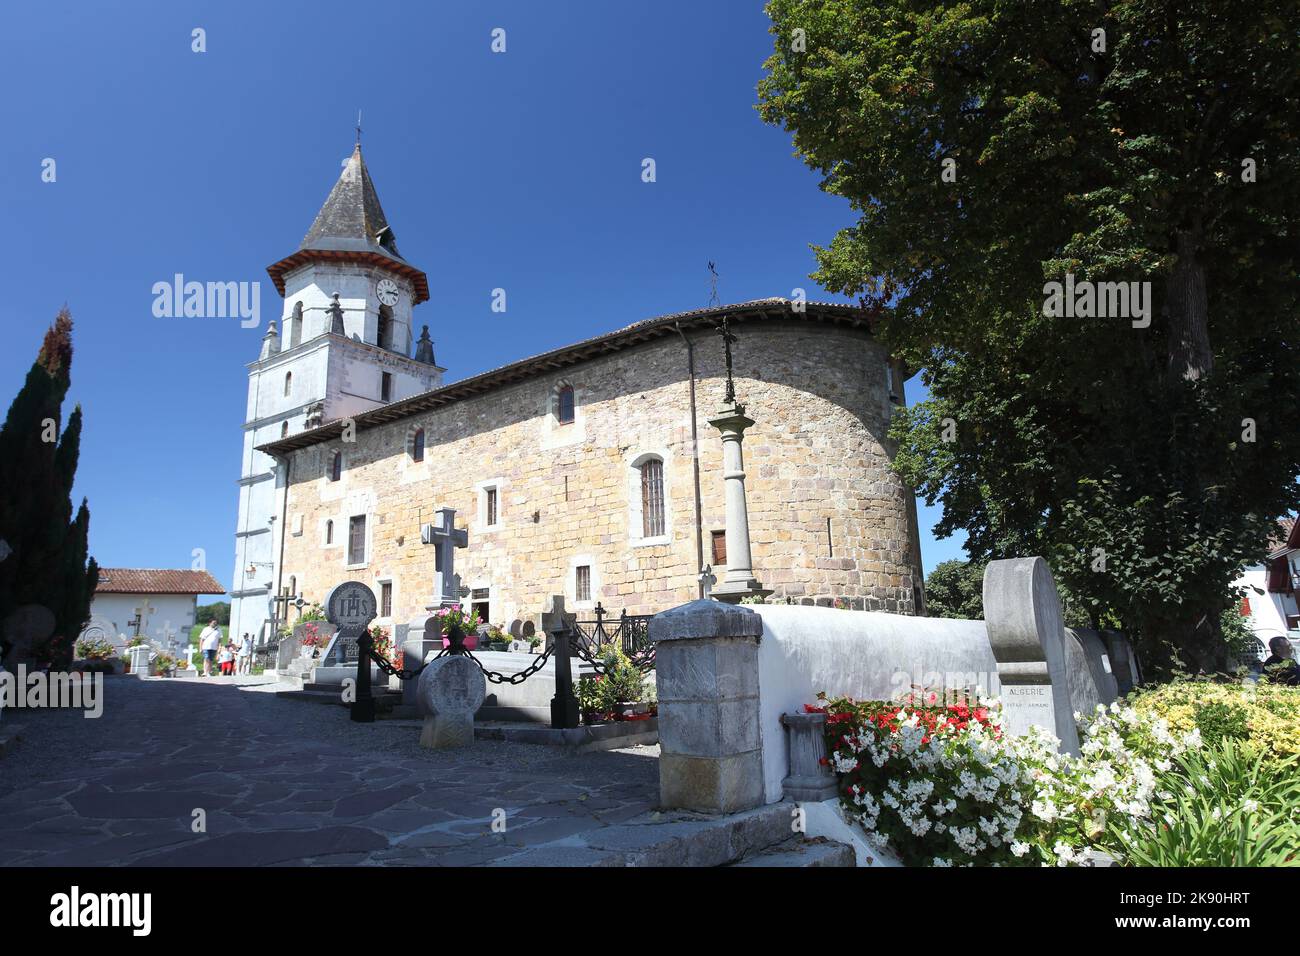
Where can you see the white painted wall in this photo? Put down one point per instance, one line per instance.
(1268, 611)
(867, 655)
(173, 616)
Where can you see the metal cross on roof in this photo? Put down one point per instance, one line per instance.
(727, 338)
(358, 127)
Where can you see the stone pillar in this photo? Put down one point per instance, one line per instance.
(706, 663)
(1022, 613)
(423, 637)
(739, 581)
(809, 778)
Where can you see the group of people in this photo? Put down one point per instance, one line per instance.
(232, 658)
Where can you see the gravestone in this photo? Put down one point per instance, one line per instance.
(350, 607)
(141, 657)
(1090, 674)
(419, 639)
(452, 690)
(445, 538)
(1022, 613)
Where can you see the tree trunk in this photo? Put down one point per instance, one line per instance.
(1188, 310)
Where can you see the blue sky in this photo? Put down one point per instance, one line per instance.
(518, 170)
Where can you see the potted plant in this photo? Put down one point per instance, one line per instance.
(496, 638)
(454, 616)
(593, 698)
(626, 683)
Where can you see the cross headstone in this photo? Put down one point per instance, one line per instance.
(445, 538)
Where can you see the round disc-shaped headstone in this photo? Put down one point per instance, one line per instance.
(452, 685)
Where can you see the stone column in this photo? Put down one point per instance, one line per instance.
(706, 662)
(809, 778)
(739, 581)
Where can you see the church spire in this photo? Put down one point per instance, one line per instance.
(352, 219)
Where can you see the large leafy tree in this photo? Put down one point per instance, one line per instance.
(990, 147)
(47, 560)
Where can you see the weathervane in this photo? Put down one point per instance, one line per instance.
(713, 281)
(358, 127)
(728, 337)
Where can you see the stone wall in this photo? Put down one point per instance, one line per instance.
(568, 494)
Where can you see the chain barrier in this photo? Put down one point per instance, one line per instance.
(391, 669)
(496, 677)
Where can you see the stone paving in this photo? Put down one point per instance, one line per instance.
(286, 783)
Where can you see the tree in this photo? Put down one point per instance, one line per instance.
(38, 462)
(955, 589)
(991, 148)
(218, 611)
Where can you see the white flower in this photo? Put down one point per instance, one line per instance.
(1250, 806)
(1019, 849)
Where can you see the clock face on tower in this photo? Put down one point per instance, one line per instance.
(387, 291)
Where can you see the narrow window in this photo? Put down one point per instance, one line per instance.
(566, 405)
(336, 466)
(417, 445)
(652, 498)
(329, 531)
(491, 506)
(719, 549)
(385, 331)
(357, 539)
(284, 429)
(480, 604)
(288, 383)
(295, 327)
(386, 599)
(582, 583)
(386, 387)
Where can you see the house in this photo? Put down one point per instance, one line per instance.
(157, 604)
(1269, 604)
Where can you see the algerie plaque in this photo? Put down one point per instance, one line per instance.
(1027, 705)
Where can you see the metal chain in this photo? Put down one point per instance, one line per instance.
(518, 678)
(389, 668)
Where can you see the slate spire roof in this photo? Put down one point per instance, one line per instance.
(352, 218)
(351, 226)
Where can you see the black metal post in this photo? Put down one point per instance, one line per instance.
(564, 705)
(363, 708)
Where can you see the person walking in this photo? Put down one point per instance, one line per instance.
(246, 655)
(209, 640)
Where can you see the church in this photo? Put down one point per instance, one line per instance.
(590, 471)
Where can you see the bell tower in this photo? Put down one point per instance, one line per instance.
(344, 345)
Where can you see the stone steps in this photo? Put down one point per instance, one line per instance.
(677, 838)
(817, 851)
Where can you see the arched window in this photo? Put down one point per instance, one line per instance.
(329, 531)
(288, 383)
(295, 325)
(417, 445)
(385, 332)
(284, 429)
(336, 466)
(652, 498)
(564, 405)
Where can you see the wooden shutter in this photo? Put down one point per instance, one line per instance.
(357, 540)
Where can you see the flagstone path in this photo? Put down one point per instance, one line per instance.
(286, 783)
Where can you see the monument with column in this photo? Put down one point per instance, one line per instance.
(739, 581)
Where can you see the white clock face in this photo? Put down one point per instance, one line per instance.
(387, 290)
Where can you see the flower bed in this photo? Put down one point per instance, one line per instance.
(941, 784)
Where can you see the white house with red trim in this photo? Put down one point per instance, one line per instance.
(1269, 604)
(157, 604)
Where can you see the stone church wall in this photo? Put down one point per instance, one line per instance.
(569, 494)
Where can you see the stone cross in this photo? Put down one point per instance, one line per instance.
(446, 538)
(141, 619)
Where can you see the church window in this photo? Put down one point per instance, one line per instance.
(719, 549)
(652, 498)
(336, 466)
(288, 383)
(385, 598)
(385, 387)
(417, 445)
(357, 539)
(565, 402)
(480, 604)
(284, 429)
(295, 327)
(491, 505)
(329, 532)
(582, 582)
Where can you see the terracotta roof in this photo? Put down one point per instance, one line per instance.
(835, 313)
(156, 581)
(1285, 539)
